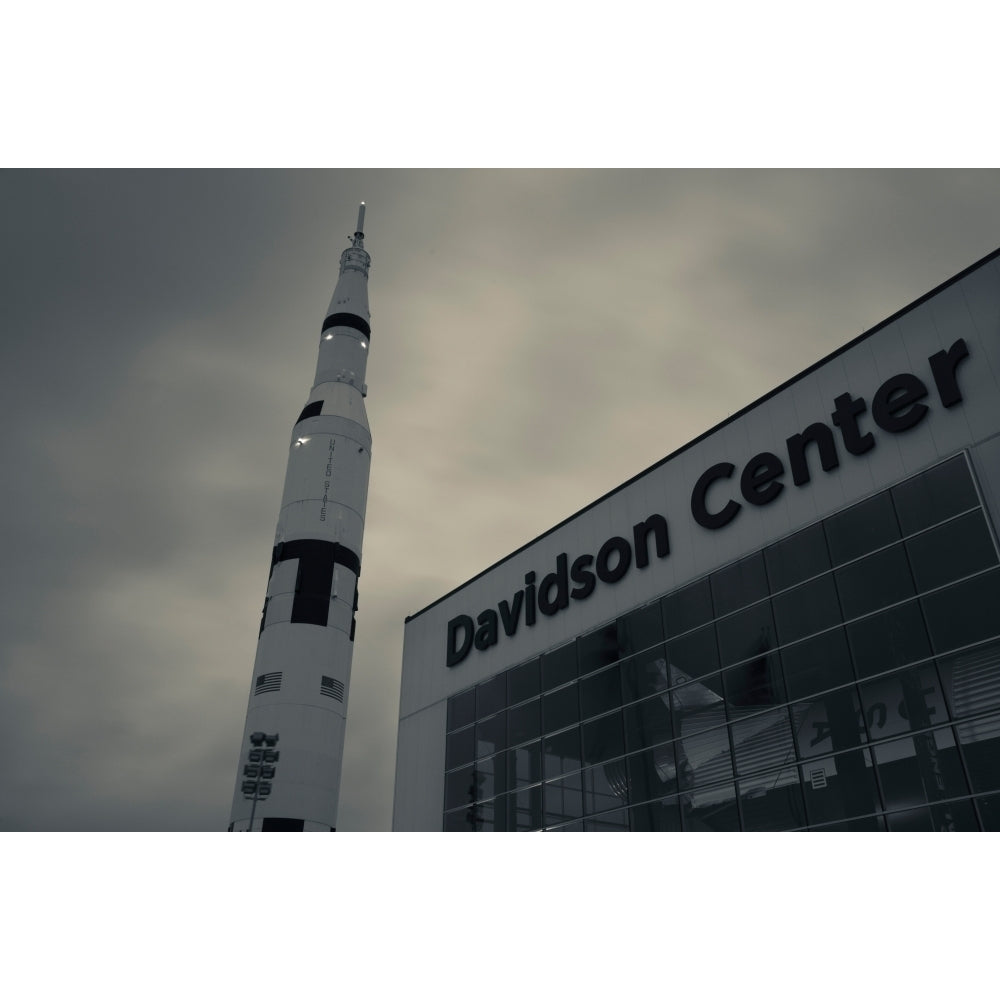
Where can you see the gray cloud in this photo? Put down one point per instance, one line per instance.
(538, 337)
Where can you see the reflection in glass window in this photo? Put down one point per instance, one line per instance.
(884, 641)
(560, 708)
(756, 683)
(748, 633)
(460, 787)
(641, 629)
(874, 582)
(460, 821)
(763, 742)
(942, 816)
(491, 735)
(698, 706)
(980, 741)
(828, 723)
(951, 551)
(918, 769)
(647, 722)
(609, 822)
(460, 748)
(663, 816)
(688, 608)
(710, 809)
(704, 759)
(604, 787)
(645, 673)
(971, 680)
(817, 664)
(740, 584)
(491, 776)
(599, 648)
(652, 773)
(599, 692)
(603, 739)
(907, 700)
(798, 558)
(563, 799)
(806, 610)
(859, 529)
(524, 765)
(524, 809)
(693, 655)
(561, 752)
(964, 613)
(773, 801)
(938, 493)
(989, 812)
(839, 787)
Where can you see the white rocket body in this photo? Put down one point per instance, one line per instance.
(302, 670)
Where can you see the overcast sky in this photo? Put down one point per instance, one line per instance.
(538, 337)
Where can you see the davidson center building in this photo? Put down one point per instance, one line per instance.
(792, 622)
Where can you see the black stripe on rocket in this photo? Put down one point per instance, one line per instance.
(347, 319)
(314, 579)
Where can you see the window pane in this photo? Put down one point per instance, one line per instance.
(460, 787)
(603, 739)
(641, 629)
(491, 776)
(951, 551)
(524, 809)
(524, 722)
(662, 816)
(491, 816)
(460, 821)
(609, 822)
(756, 683)
(817, 664)
(964, 613)
(887, 640)
(919, 769)
(600, 692)
(462, 709)
(560, 708)
(599, 648)
(704, 759)
(830, 723)
(711, 809)
(980, 741)
(694, 655)
(941, 816)
(604, 787)
(491, 735)
(647, 723)
(697, 706)
(645, 673)
(989, 811)
(740, 584)
(563, 799)
(797, 558)
(763, 742)
(861, 528)
(491, 696)
(561, 752)
(773, 801)
(908, 700)
(559, 666)
(839, 787)
(806, 609)
(935, 495)
(524, 765)
(651, 773)
(874, 582)
(460, 748)
(972, 680)
(523, 682)
(746, 634)
(688, 608)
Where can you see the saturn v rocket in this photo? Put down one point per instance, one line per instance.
(288, 776)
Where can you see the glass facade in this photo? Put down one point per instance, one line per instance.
(844, 678)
